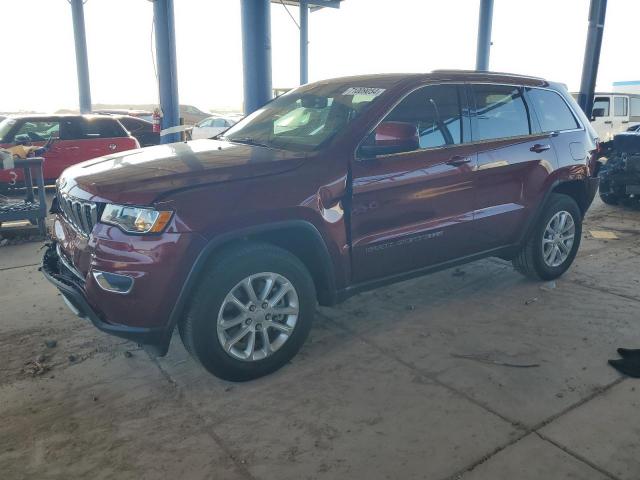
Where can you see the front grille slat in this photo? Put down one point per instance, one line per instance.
(81, 214)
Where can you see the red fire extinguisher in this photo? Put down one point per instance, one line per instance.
(157, 115)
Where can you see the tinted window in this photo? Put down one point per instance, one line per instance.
(620, 108)
(101, 128)
(603, 103)
(500, 112)
(553, 113)
(435, 111)
(38, 130)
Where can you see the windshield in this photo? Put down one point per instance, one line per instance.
(303, 119)
(5, 126)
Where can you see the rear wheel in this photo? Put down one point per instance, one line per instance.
(251, 313)
(554, 241)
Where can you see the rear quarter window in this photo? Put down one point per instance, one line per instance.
(552, 111)
(500, 112)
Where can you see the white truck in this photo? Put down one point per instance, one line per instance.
(614, 113)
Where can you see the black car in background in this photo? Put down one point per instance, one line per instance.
(140, 129)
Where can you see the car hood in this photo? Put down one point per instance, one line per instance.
(141, 176)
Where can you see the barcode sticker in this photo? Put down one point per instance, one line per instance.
(364, 91)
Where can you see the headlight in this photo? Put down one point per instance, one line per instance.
(135, 219)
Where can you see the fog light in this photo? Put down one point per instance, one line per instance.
(112, 282)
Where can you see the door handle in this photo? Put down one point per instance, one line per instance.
(458, 160)
(539, 148)
(608, 122)
(72, 148)
(625, 121)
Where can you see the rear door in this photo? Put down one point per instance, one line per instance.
(620, 114)
(556, 118)
(102, 136)
(411, 209)
(513, 162)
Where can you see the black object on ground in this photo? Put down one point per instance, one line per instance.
(629, 364)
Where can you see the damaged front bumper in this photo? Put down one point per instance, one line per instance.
(69, 282)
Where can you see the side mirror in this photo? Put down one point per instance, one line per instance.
(597, 112)
(391, 137)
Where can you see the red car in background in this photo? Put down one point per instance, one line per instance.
(76, 138)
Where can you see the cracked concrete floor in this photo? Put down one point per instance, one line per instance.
(416, 380)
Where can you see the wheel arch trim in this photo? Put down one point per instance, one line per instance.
(198, 266)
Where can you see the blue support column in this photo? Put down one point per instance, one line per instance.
(256, 53)
(167, 70)
(304, 42)
(484, 35)
(82, 64)
(597, 12)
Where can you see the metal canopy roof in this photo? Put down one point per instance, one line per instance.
(313, 4)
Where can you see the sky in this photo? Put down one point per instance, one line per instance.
(538, 37)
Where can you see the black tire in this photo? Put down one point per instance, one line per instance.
(530, 259)
(198, 329)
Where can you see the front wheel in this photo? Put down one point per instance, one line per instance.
(251, 313)
(553, 244)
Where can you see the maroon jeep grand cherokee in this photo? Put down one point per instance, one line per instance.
(336, 187)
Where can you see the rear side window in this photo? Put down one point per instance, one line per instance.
(101, 128)
(553, 113)
(500, 112)
(436, 113)
(620, 106)
(635, 107)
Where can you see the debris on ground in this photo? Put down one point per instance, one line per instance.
(531, 300)
(72, 358)
(459, 273)
(36, 367)
(548, 285)
(486, 358)
(411, 307)
(50, 343)
(128, 354)
(603, 235)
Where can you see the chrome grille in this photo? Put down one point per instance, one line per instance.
(83, 215)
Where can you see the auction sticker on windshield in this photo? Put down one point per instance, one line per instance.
(374, 92)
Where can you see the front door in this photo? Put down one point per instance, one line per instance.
(603, 117)
(410, 208)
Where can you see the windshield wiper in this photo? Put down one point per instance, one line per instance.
(247, 141)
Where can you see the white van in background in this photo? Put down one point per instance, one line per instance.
(614, 113)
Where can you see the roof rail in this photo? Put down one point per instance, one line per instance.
(483, 72)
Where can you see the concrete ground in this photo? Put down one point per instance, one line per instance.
(471, 373)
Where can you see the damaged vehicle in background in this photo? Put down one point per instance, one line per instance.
(620, 172)
(334, 188)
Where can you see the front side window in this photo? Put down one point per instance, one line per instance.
(553, 113)
(435, 113)
(500, 112)
(305, 118)
(602, 105)
(37, 130)
(620, 106)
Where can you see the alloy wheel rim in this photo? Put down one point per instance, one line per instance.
(258, 316)
(558, 238)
